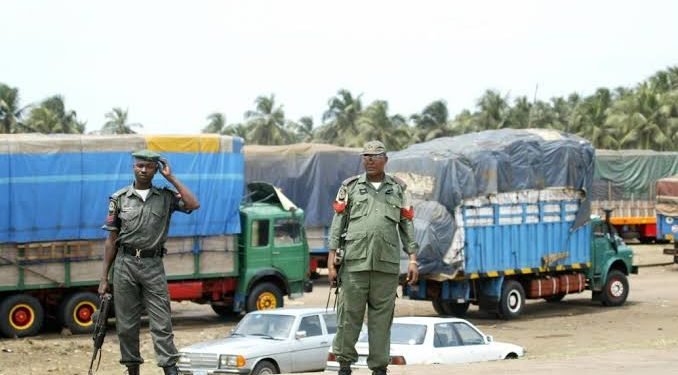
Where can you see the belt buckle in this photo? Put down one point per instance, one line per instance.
(138, 253)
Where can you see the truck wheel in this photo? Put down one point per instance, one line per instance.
(264, 368)
(450, 308)
(21, 315)
(555, 298)
(264, 296)
(75, 312)
(616, 289)
(512, 300)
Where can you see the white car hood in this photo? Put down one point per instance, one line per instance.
(231, 345)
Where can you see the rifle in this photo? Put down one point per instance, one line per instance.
(338, 260)
(100, 317)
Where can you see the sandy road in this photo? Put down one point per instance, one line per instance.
(573, 335)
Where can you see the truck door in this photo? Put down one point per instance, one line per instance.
(259, 253)
(289, 253)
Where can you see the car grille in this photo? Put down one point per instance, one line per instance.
(203, 360)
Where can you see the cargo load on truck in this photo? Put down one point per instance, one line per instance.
(497, 177)
(667, 213)
(625, 181)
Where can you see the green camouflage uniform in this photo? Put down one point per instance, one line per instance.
(371, 263)
(139, 282)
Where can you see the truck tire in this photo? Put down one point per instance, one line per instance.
(512, 300)
(264, 296)
(75, 312)
(450, 308)
(21, 315)
(616, 289)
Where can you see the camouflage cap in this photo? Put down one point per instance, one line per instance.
(373, 148)
(146, 155)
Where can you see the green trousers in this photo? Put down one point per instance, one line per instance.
(138, 284)
(376, 291)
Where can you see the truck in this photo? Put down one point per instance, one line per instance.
(244, 250)
(504, 216)
(310, 174)
(625, 180)
(667, 213)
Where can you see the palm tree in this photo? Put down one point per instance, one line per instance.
(217, 123)
(67, 118)
(493, 110)
(431, 122)
(43, 120)
(302, 129)
(117, 122)
(10, 110)
(341, 119)
(375, 123)
(266, 124)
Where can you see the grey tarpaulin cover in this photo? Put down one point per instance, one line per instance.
(451, 169)
(433, 231)
(309, 174)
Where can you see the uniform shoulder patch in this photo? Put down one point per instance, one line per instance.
(350, 179)
(120, 192)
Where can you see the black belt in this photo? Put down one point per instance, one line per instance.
(142, 253)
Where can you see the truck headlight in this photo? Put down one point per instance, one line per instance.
(229, 360)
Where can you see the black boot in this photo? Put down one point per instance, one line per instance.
(171, 370)
(133, 370)
(344, 368)
(379, 371)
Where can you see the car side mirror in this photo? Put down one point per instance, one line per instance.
(489, 338)
(300, 335)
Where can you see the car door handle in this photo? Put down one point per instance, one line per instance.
(323, 343)
(276, 253)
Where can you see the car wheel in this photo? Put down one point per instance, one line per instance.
(75, 312)
(264, 368)
(264, 296)
(511, 356)
(21, 315)
(616, 289)
(512, 300)
(555, 298)
(223, 311)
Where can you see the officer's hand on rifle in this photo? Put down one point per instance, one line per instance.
(331, 268)
(103, 287)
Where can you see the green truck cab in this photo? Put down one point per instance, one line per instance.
(611, 263)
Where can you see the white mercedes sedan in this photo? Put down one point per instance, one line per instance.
(266, 342)
(433, 340)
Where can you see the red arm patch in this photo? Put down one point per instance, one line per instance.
(339, 207)
(407, 213)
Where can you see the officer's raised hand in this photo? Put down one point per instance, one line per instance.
(165, 169)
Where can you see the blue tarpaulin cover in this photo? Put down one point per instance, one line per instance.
(56, 187)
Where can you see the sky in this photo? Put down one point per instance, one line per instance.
(172, 63)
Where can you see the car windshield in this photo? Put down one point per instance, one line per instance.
(406, 334)
(265, 325)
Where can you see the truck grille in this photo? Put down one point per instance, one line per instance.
(203, 360)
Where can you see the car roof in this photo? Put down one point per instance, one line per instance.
(426, 320)
(295, 311)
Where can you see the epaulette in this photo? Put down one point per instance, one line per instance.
(350, 179)
(399, 181)
(120, 192)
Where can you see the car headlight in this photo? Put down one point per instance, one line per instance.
(184, 360)
(229, 360)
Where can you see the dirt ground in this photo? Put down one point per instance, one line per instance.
(575, 334)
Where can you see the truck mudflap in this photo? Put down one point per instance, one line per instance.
(634, 270)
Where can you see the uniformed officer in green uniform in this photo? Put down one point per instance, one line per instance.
(374, 216)
(138, 220)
